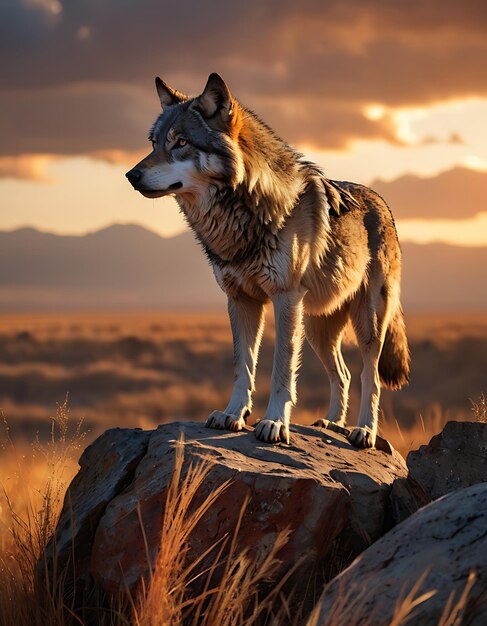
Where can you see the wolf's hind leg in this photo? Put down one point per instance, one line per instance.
(288, 312)
(324, 334)
(370, 312)
(247, 322)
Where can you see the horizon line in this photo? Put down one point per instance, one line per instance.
(80, 235)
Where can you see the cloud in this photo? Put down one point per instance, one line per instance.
(365, 51)
(457, 194)
(27, 167)
(118, 157)
(84, 32)
(311, 68)
(34, 167)
(76, 119)
(52, 7)
(317, 123)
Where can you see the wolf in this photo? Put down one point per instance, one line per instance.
(276, 230)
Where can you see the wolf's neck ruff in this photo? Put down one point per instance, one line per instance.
(273, 171)
(235, 221)
(231, 224)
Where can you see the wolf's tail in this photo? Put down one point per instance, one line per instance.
(395, 359)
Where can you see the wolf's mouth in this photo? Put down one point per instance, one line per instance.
(156, 193)
(174, 186)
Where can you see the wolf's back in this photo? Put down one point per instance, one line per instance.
(395, 359)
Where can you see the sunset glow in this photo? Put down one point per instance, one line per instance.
(411, 104)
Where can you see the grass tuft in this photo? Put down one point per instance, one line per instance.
(33, 482)
(479, 409)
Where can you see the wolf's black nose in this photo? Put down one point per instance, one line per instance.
(134, 176)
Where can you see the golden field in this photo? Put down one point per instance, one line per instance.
(144, 369)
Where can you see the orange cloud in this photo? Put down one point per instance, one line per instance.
(27, 167)
(52, 7)
(456, 194)
(119, 157)
(90, 76)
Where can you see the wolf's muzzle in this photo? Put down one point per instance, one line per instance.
(134, 176)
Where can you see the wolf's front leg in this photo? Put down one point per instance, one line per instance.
(288, 313)
(247, 322)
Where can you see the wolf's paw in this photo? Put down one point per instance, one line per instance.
(337, 427)
(225, 421)
(272, 431)
(362, 437)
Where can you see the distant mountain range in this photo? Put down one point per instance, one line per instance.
(126, 267)
(454, 194)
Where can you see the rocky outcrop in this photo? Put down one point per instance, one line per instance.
(435, 549)
(323, 490)
(455, 458)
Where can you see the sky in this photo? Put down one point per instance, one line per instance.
(390, 93)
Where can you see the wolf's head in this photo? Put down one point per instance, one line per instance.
(193, 143)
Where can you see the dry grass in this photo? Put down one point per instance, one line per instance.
(178, 591)
(344, 609)
(33, 483)
(146, 369)
(479, 409)
(233, 600)
(417, 434)
(427, 425)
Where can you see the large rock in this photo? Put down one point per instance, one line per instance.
(445, 540)
(320, 487)
(455, 458)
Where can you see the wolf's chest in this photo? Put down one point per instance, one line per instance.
(248, 252)
(226, 232)
(259, 275)
(238, 281)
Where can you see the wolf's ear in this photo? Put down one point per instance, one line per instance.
(215, 98)
(168, 95)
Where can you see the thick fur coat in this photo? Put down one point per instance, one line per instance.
(276, 229)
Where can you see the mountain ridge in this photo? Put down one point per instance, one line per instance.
(128, 266)
(455, 194)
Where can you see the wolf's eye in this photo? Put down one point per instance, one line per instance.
(180, 143)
